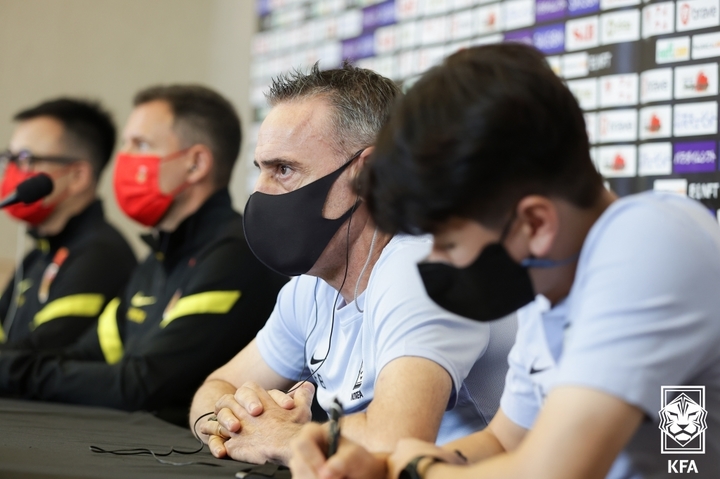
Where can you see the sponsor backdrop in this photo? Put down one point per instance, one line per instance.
(645, 73)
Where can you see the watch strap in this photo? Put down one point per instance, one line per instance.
(411, 470)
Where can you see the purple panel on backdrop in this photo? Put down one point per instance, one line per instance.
(519, 36)
(550, 39)
(694, 157)
(581, 7)
(359, 47)
(262, 7)
(379, 15)
(549, 9)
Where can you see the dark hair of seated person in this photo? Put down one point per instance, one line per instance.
(201, 115)
(474, 135)
(86, 127)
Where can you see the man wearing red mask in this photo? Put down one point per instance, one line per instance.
(199, 286)
(63, 284)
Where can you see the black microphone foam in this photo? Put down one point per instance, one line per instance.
(33, 189)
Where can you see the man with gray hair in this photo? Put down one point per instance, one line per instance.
(355, 321)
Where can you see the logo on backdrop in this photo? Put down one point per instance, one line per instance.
(581, 7)
(694, 157)
(683, 420)
(581, 33)
(549, 10)
(655, 159)
(550, 39)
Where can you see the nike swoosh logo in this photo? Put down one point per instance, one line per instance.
(314, 361)
(534, 370)
(140, 301)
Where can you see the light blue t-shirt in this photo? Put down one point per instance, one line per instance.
(643, 312)
(398, 319)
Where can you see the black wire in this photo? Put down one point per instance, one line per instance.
(140, 451)
(156, 455)
(334, 307)
(312, 330)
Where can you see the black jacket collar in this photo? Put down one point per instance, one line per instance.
(77, 227)
(195, 232)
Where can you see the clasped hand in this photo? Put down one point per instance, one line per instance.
(255, 425)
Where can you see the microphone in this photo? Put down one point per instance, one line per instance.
(29, 191)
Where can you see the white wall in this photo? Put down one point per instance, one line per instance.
(109, 49)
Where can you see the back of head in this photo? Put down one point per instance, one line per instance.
(474, 135)
(201, 116)
(361, 100)
(88, 130)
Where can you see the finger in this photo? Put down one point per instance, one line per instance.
(228, 401)
(309, 446)
(303, 395)
(214, 428)
(234, 409)
(281, 399)
(248, 399)
(259, 395)
(226, 418)
(297, 386)
(217, 446)
(208, 428)
(222, 432)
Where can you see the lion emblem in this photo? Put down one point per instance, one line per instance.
(683, 419)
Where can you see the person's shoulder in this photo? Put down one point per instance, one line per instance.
(404, 250)
(653, 219)
(650, 206)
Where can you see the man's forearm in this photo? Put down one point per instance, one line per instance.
(378, 438)
(504, 466)
(204, 401)
(477, 446)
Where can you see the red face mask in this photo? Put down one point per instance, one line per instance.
(137, 188)
(33, 213)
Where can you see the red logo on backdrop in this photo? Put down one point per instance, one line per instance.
(654, 124)
(618, 163)
(701, 83)
(685, 13)
(491, 20)
(583, 33)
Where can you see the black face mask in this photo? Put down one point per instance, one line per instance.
(288, 232)
(492, 287)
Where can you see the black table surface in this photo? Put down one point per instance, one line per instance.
(47, 440)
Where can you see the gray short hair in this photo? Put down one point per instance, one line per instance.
(361, 98)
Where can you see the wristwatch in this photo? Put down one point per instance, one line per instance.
(411, 470)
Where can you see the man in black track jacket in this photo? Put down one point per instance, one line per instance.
(197, 299)
(80, 262)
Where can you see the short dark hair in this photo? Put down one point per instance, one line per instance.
(201, 115)
(362, 100)
(473, 136)
(87, 126)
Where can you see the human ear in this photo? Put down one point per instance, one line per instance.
(81, 176)
(357, 168)
(540, 222)
(201, 163)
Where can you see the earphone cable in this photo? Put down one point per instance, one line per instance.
(140, 451)
(334, 307)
